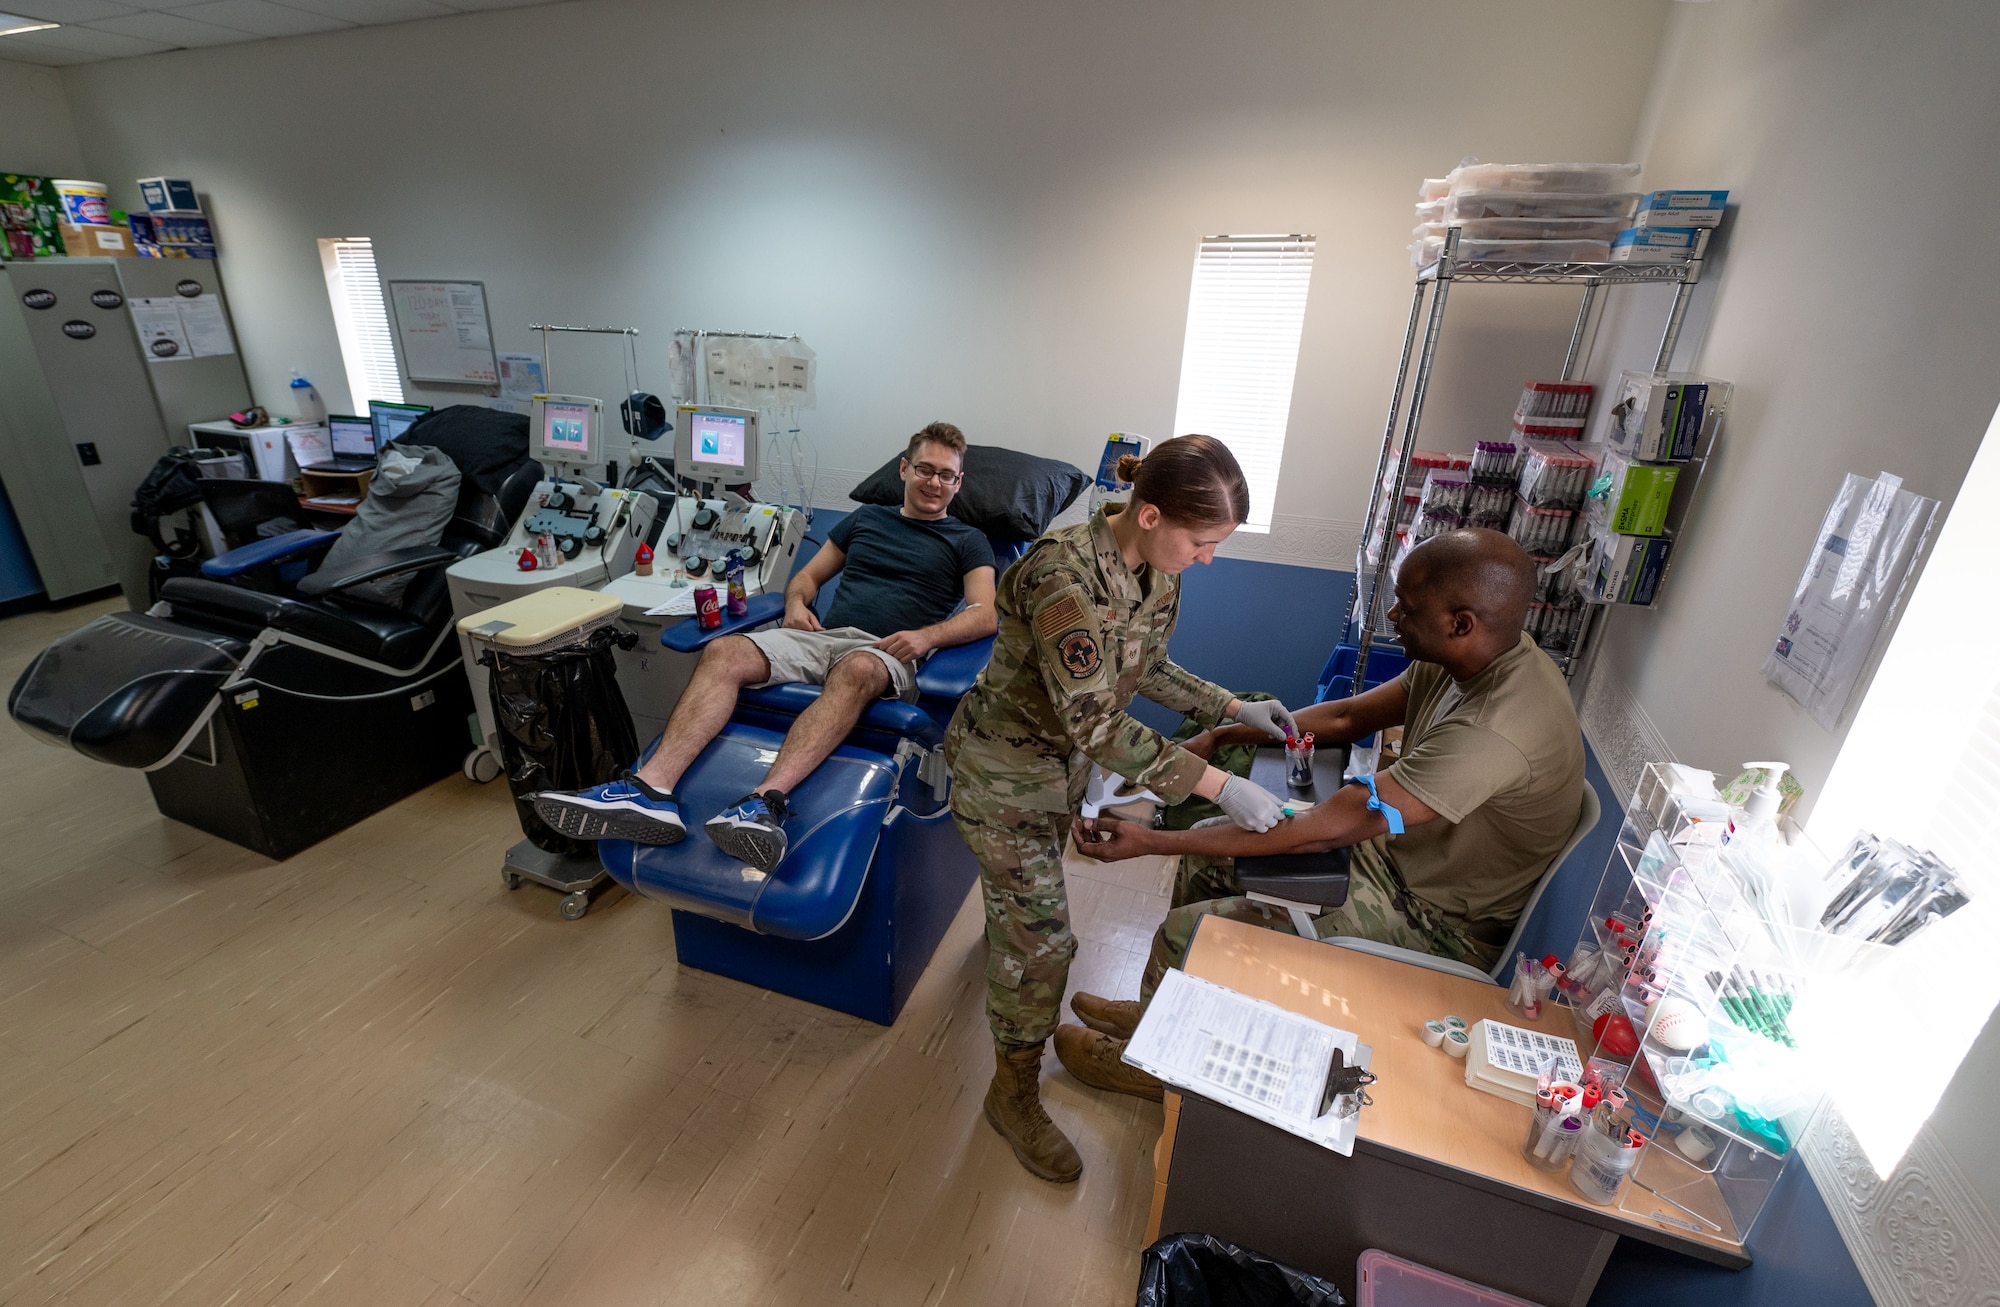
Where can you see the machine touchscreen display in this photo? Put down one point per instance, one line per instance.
(719, 438)
(566, 429)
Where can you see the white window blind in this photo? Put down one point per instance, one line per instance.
(361, 320)
(1921, 764)
(1245, 313)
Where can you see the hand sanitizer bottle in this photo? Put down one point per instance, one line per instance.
(306, 401)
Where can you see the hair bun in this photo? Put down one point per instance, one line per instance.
(1127, 469)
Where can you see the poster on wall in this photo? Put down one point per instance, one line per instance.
(443, 332)
(1868, 545)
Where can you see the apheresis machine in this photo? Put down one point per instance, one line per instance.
(581, 533)
(714, 448)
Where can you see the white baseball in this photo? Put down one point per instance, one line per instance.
(1677, 1024)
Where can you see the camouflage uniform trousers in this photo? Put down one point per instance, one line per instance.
(1377, 907)
(1028, 940)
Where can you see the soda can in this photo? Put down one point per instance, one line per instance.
(739, 598)
(707, 608)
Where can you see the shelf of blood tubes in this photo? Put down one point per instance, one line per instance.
(1684, 983)
(1530, 486)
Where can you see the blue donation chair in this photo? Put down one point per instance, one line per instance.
(875, 870)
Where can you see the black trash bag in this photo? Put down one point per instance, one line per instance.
(1200, 1270)
(563, 725)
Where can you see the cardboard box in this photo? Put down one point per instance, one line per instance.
(1635, 503)
(1666, 417)
(168, 195)
(79, 242)
(1653, 244)
(1629, 568)
(183, 236)
(1682, 209)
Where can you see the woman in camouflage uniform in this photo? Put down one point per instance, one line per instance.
(1084, 621)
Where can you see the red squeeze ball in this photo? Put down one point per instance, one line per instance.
(527, 562)
(1615, 1035)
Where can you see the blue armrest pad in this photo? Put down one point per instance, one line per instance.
(950, 672)
(688, 637)
(890, 716)
(259, 552)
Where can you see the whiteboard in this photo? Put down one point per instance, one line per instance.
(444, 332)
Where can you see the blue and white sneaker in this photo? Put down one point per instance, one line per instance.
(624, 809)
(752, 830)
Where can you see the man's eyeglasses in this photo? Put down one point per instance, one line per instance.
(943, 476)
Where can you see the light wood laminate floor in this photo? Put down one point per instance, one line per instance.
(371, 1075)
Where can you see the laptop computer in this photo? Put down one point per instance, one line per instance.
(353, 441)
(392, 420)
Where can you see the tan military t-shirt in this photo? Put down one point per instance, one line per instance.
(1499, 758)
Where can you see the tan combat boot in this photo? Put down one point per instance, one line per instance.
(1014, 1108)
(1094, 1058)
(1116, 1017)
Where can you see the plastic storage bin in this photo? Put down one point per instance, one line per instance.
(1383, 1280)
(1523, 229)
(1568, 178)
(1467, 205)
(1426, 252)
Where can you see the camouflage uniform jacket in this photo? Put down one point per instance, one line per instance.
(1080, 636)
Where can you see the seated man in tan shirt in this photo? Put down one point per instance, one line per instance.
(1486, 793)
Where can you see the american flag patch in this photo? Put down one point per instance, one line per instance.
(1064, 612)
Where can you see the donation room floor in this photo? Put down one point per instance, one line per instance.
(371, 1075)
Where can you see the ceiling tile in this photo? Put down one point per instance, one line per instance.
(67, 11)
(85, 40)
(259, 16)
(47, 55)
(173, 29)
(372, 11)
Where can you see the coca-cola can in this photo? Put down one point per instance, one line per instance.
(707, 608)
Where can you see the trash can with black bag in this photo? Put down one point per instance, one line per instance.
(562, 719)
(1200, 1270)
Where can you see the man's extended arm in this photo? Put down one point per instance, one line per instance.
(975, 621)
(1342, 820)
(1341, 721)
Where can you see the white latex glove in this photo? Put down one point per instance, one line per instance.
(1252, 807)
(1270, 716)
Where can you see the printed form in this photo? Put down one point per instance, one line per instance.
(1246, 1054)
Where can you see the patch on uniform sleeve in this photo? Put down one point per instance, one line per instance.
(1062, 613)
(1078, 649)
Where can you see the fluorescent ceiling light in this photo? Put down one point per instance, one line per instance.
(14, 25)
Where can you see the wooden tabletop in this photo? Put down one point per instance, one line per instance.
(1422, 1107)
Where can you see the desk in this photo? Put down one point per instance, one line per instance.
(1437, 1174)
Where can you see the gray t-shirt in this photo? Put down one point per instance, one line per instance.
(1499, 758)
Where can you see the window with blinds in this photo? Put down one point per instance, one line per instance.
(1921, 764)
(361, 320)
(1245, 313)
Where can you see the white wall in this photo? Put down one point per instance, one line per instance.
(1853, 306)
(37, 132)
(982, 212)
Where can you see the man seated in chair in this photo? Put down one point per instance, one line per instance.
(904, 572)
(1446, 845)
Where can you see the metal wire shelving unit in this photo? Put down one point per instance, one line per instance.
(1368, 604)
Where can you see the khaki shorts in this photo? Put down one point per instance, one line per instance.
(809, 656)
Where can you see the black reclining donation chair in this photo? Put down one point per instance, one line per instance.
(275, 719)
